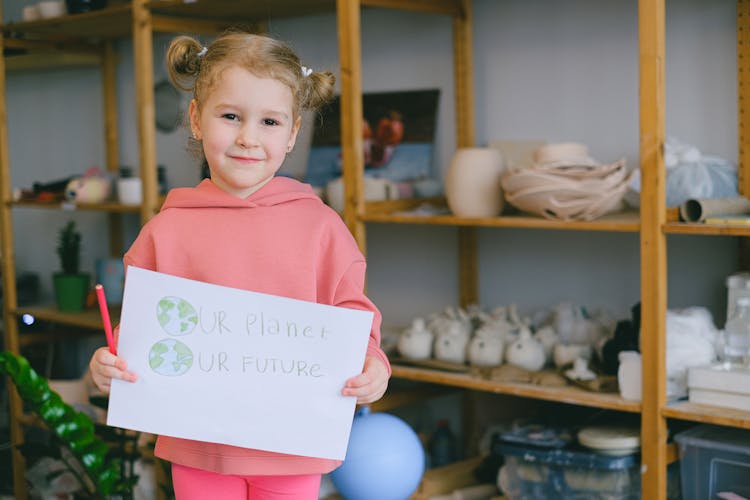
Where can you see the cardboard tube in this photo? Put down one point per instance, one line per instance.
(697, 209)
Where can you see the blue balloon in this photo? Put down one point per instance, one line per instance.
(384, 459)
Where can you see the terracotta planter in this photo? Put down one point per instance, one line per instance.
(472, 183)
(71, 291)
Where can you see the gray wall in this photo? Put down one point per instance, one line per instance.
(548, 69)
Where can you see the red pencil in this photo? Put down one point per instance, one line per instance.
(105, 318)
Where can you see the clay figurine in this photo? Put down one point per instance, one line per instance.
(526, 352)
(416, 341)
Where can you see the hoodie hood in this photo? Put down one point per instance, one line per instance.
(277, 191)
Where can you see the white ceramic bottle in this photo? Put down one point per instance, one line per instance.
(472, 182)
(629, 375)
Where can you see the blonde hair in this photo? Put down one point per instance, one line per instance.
(196, 69)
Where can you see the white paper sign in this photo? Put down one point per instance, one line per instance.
(229, 366)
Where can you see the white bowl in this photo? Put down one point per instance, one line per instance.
(51, 8)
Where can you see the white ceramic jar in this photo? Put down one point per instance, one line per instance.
(472, 182)
(130, 190)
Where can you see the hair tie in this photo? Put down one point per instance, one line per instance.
(306, 71)
(203, 52)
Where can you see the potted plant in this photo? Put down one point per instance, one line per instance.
(100, 458)
(71, 285)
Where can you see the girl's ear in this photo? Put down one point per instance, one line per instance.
(195, 122)
(295, 131)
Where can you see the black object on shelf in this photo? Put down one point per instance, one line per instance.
(443, 445)
(79, 6)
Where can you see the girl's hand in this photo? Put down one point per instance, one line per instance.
(370, 385)
(105, 366)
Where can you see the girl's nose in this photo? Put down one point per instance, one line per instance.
(248, 136)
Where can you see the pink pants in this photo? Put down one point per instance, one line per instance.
(197, 484)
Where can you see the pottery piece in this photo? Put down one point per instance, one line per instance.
(472, 182)
(565, 354)
(548, 338)
(452, 333)
(451, 321)
(416, 341)
(629, 375)
(451, 348)
(129, 190)
(526, 352)
(375, 189)
(580, 371)
(51, 8)
(485, 350)
(31, 13)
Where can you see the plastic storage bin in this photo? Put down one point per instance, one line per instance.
(714, 460)
(540, 474)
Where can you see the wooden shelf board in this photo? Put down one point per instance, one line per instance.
(569, 394)
(46, 61)
(88, 318)
(254, 11)
(447, 7)
(620, 222)
(239, 10)
(109, 23)
(26, 339)
(99, 207)
(707, 414)
(706, 229)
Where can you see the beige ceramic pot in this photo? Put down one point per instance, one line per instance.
(472, 182)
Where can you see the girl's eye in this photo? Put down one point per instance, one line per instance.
(230, 116)
(270, 121)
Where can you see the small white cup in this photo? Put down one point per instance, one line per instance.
(129, 191)
(51, 8)
(31, 13)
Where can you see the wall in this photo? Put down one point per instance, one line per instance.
(548, 69)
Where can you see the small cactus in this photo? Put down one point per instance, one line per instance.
(69, 248)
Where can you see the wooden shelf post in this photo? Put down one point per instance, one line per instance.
(350, 60)
(468, 279)
(10, 300)
(651, 28)
(143, 59)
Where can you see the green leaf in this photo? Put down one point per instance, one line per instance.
(10, 365)
(93, 460)
(54, 409)
(108, 480)
(37, 387)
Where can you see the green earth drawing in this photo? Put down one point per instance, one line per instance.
(176, 316)
(170, 357)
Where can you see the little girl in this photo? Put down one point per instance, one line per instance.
(246, 228)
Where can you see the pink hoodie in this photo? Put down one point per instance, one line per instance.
(281, 240)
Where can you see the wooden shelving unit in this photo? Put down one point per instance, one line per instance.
(653, 224)
(93, 34)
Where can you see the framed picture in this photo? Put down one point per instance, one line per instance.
(398, 134)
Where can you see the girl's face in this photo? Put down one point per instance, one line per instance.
(247, 127)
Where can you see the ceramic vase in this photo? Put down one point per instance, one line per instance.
(472, 182)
